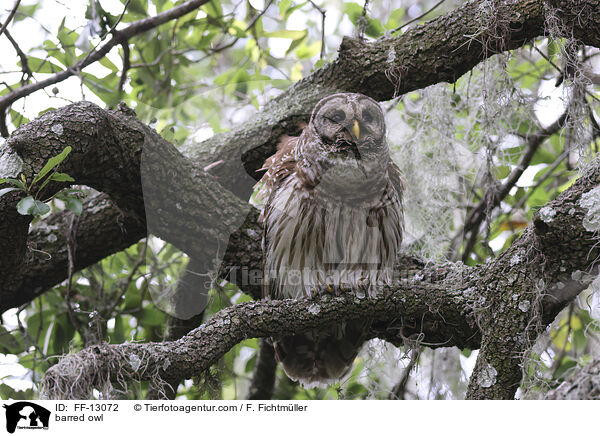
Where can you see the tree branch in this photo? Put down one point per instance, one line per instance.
(441, 50)
(118, 37)
(10, 16)
(449, 305)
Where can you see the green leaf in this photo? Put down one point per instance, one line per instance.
(284, 5)
(61, 177)
(15, 182)
(42, 65)
(137, 7)
(17, 118)
(295, 43)
(289, 34)
(7, 190)
(355, 13)
(30, 206)
(353, 10)
(75, 206)
(394, 20)
(374, 28)
(308, 51)
(502, 172)
(25, 11)
(51, 164)
(213, 9)
(10, 343)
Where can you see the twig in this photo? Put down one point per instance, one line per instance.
(126, 66)
(248, 27)
(495, 195)
(10, 16)
(71, 248)
(322, 12)
(557, 68)
(118, 37)
(419, 17)
(399, 390)
(24, 64)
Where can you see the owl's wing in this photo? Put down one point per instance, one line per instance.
(278, 168)
(395, 178)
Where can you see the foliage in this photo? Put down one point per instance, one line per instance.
(213, 68)
(31, 205)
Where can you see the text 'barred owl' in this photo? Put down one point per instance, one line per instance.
(332, 221)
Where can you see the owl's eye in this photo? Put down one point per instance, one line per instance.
(338, 117)
(367, 116)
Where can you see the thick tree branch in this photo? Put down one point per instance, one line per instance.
(47, 259)
(451, 304)
(421, 54)
(140, 171)
(441, 50)
(196, 352)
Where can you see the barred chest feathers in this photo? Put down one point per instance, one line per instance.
(315, 240)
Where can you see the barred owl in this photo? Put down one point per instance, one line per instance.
(332, 223)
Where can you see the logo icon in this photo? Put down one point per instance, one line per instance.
(26, 415)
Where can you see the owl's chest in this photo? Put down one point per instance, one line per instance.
(312, 241)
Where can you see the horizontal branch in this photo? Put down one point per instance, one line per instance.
(436, 305)
(48, 261)
(193, 354)
(145, 176)
(441, 50)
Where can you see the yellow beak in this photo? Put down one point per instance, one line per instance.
(356, 129)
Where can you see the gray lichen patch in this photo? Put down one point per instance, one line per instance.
(524, 305)
(487, 377)
(314, 309)
(135, 361)
(391, 56)
(591, 201)
(547, 214)
(515, 259)
(57, 128)
(10, 163)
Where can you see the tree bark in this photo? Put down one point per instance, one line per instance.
(146, 183)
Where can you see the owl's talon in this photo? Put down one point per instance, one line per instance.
(330, 288)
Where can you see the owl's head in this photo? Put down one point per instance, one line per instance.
(345, 143)
(349, 123)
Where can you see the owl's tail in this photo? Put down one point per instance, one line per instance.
(319, 357)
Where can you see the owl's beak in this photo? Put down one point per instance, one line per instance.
(356, 129)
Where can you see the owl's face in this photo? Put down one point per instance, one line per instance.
(349, 124)
(346, 140)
